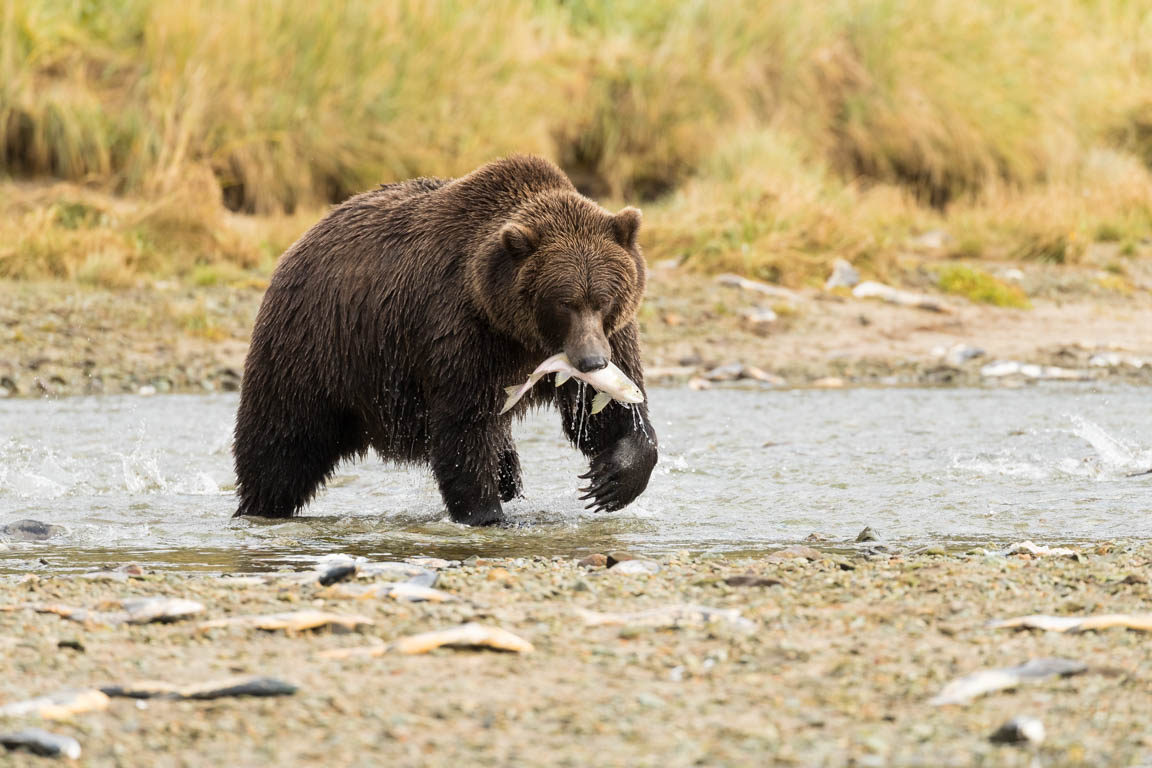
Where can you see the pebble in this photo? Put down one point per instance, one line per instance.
(867, 535)
(338, 572)
(636, 567)
(30, 530)
(798, 551)
(1019, 730)
(41, 742)
(751, 580)
(594, 561)
(844, 275)
(618, 556)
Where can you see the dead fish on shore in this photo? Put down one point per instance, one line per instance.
(470, 635)
(41, 742)
(1141, 622)
(136, 610)
(965, 689)
(293, 621)
(609, 382)
(58, 706)
(242, 685)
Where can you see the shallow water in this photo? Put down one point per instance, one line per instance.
(149, 479)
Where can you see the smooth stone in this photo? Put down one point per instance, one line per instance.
(30, 530)
(594, 561)
(619, 556)
(1019, 730)
(867, 534)
(636, 566)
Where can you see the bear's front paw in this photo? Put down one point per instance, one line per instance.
(618, 474)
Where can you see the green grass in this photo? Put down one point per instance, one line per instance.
(980, 287)
(764, 137)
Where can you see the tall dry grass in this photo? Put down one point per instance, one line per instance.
(766, 136)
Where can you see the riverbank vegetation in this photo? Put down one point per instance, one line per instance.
(197, 139)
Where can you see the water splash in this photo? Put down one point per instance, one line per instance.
(1114, 456)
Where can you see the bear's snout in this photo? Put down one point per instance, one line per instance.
(591, 363)
(586, 345)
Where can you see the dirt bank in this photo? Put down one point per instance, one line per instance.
(830, 662)
(60, 338)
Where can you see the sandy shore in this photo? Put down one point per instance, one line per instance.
(61, 339)
(831, 661)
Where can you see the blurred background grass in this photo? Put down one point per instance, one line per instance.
(197, 139)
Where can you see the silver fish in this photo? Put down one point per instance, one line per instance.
(609, 382)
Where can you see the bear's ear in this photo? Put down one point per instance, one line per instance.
(517, 239)
(625, 225)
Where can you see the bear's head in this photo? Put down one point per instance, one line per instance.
(563, 274)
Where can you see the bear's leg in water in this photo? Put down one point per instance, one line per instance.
(281, 462)
(511, 485)
(465, 451)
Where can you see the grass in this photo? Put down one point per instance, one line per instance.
(769, 138)
(978, 286)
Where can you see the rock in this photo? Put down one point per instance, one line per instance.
(867, 535)
(114, 576)
(499, 574)
(760, 320)
(815, 537)
(844, 275)
(744, 284)
(795, 552)
(146, 391)
(645, 567)
(41, 742)
(594, 561)
(873, 290)
(829, 382)
(30, 530)
(618, 556)
(338, 572)
(957, 354)
(1019, 730)
(751, 580)
(697, 383)
(673, 319)
(727, 372)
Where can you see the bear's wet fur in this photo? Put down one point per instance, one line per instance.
(396, 322)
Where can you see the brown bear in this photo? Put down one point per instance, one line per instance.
(396, 322)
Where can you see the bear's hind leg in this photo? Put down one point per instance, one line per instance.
(278, 473)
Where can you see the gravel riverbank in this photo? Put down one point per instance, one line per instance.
(800, 658)
(65, 339)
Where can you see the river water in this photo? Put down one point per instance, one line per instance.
(149, 479)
